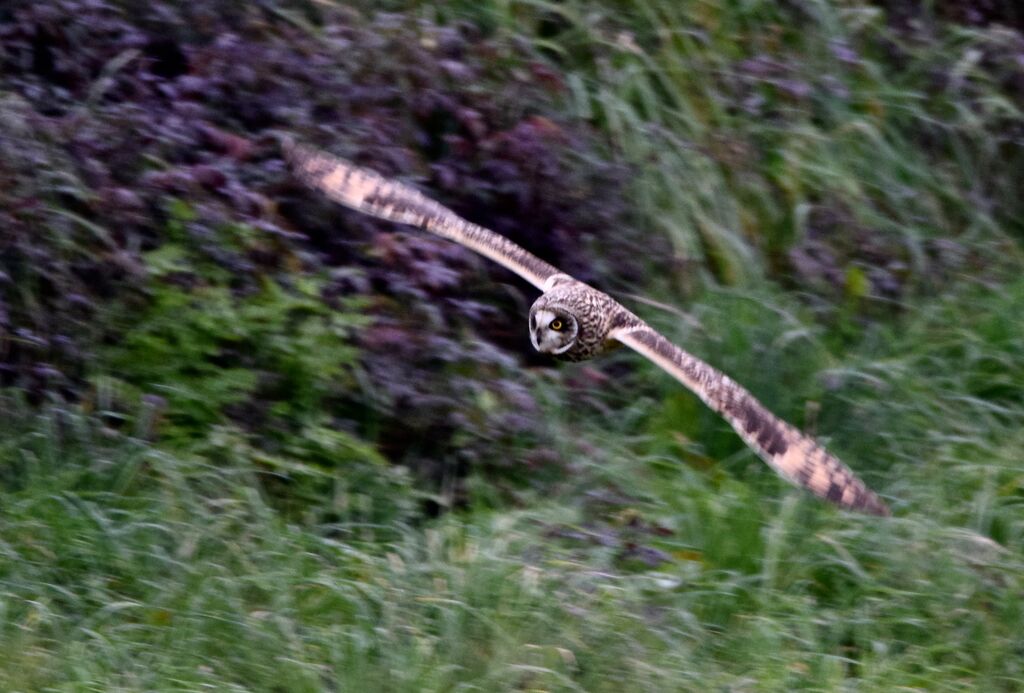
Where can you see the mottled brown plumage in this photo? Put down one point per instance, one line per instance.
(575, 322)
(371, 193)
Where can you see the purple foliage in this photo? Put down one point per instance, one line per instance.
(980, 13)
(113, 111)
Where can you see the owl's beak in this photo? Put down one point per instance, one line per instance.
(547, 341)
(537, 322)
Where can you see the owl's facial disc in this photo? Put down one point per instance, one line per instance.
(552, 330)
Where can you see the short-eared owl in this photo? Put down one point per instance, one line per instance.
(574, 321)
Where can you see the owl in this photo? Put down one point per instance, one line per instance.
(575, 322)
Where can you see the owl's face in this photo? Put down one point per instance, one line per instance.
(553, 329)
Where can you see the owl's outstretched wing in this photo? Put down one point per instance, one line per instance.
(368, 192)
(796, 457)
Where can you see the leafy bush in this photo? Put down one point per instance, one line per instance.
(220, 311)
(269, 357)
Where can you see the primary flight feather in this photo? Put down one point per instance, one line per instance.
(574, 321)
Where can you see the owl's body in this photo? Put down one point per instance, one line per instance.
(588, 317)
(575, 322)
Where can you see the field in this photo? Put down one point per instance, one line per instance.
(253, 442)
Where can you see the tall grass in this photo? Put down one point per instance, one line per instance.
(128, 568)
(742, 118)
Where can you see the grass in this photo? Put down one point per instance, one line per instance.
(667, 557)
(129, 568)
(743, 118)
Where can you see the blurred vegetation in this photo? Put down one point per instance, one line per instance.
(252, 441)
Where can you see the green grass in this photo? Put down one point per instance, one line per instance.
(129, 568)
(732, 160)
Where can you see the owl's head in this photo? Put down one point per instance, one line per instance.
(554, 329)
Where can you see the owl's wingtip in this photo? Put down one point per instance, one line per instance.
(880, 509)
(873, 505)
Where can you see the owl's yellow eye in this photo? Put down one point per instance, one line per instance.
(556, 325)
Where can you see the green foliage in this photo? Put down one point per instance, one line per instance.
(247, 377)
(814, 141)
(321, 475)
(650, 568)
(207, 348)
(126, 567)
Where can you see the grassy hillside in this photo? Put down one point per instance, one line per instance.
(253, 442)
